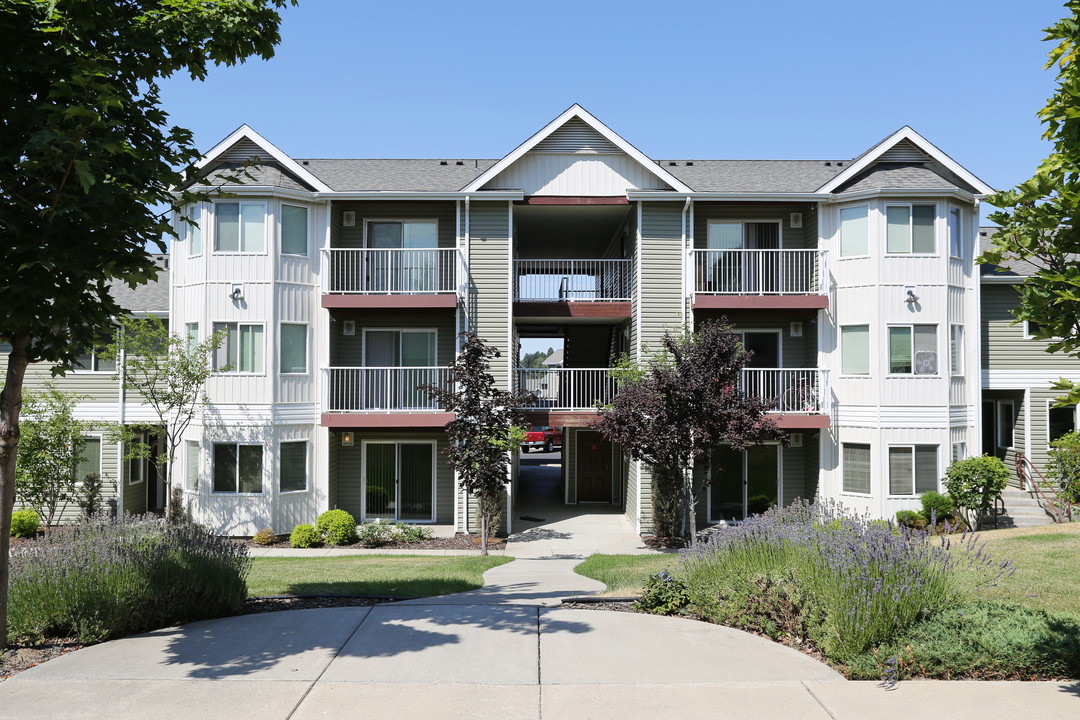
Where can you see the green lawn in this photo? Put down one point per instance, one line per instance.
(623, 574)
(376, 575)
(1047, 561)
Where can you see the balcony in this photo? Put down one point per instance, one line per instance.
(799, 395)
(382, 397)
(573, 288)
(392, 277)
(759, 279)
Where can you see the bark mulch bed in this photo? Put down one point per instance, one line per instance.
(21, 657)
(461, 541)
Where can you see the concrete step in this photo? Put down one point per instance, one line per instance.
(1022, 510)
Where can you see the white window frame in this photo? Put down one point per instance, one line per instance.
(869, 352)
(911, 230)
(236, 370)
(240, 240)
(956, 239)
(307, 467)
(743, 469)
(840, 231)
(870, 479)
(397, 443)
(403, 221)
(191, 332)
(959, 451)
(911, 327)
(915, 492)
(999, 407)
(193, 234)
(1049, 407)
(192, 465)
(101, 459)
(307, 230)
(307, 352)
(956, 350)
(235, 493)
(137, 462)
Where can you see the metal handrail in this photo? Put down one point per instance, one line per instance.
(741, 271)
(567, 388)
(802, 391)
(587, 280)
(382, 271)
(1023, 463)
(381, 389)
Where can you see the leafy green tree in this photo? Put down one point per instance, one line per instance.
(673, 411)
(1040, 218)
(51, 448)
(168, 371)
(86, 154)
(973, 484)
(486, 429)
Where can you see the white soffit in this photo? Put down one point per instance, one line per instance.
(913, 138)
(576, 111)
(246, 133)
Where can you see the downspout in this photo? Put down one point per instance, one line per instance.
(685, 260)
(120, 448)
(468, 326)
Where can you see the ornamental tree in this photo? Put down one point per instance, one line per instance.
(974, 484)
(86, 154)
(675, 409)
(1040, 218)
(486, 429)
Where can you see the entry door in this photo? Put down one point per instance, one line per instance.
(399, 481)
(593, 457)
(745, 483)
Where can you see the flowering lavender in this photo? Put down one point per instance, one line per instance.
(852, 581)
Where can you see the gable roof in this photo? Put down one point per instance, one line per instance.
(584, 120)
(905, 145)
(248, 143)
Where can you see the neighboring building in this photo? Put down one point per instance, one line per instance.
(342, 285)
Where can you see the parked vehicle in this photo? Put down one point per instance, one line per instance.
(542, 437)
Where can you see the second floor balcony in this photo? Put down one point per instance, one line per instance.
(573, 288)
(747, 278)
(392, 277)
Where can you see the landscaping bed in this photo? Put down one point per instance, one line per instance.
(461, 541)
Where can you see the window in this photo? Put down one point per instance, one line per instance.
(853, 232)
(293, 475)
(909, 229)
(293, 348)
(913, 350)
(956, 350)
(403, 234)
(194, 231)
(956, 238)
(959, 451)
(294, 230)
(91, 458)
(240, 227)
(242, 350)
(1060, 421)
(856, 464)
(191, 465)
(1006, 420)
(237, 468)
(912, 469)
(855, 350)
(191, 332)
(90, 359)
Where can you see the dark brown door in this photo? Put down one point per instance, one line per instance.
(593, 467)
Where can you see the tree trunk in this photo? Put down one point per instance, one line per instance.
(483, 529)
(10, 406)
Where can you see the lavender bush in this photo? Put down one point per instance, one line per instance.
(103, 578)
(813, 571)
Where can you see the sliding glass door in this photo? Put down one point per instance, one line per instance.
(398, 362)
(399, 481)
(744, 483)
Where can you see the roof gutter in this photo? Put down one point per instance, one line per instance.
(750, 196)
(420, 195)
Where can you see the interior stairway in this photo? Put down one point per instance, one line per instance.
(1021, 510)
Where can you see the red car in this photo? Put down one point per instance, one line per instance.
(542, 437)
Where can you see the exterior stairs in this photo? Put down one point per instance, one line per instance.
(1021, 510)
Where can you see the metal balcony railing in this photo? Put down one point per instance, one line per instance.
(573, 280)
(759, 272)
(385, 389)
(392, 270)
(567, 388)
(793, 391)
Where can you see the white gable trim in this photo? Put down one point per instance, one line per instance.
(905, 133)
(581, 113)
(245, 132)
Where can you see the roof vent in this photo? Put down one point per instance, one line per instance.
(305, 162)
(689, 163)
(839, 164)
(673, 164)
(828, 164)
(459, 162)
(443, 162)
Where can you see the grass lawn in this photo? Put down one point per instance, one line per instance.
(1047, 563)
(623, 574)
(376, 575)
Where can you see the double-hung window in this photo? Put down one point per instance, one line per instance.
(191, 332)
(93, 359)
(294, 467)
(242, 348)
(909, 229)
(956, 349)
(240, 227)
(913, 469)
(855, 350)
(237, 468)
(90, 461)
(913, 350)
(191, 462)
(293, 348)
(294, 230)
(854, 234)
(956, 237)
(193, 230)
(856, 468)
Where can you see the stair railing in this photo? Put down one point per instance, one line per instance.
(1024, 469)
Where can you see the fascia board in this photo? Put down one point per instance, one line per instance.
(261, 190)
(420, 195)
(779, 197)
(997, 279)
(906, 133)
(903, 193)
(245, 131)
(576, 110)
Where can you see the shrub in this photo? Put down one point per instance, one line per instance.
(265, 536)
(911, 519)
(374, 534)
(974, 483)
(304, 536)
(99, 579)
(981, 639)
(89, 495)
(24, 523)
(336, 527)
(1064, 466)
(663, 594)
(937, 507)
(411, 533)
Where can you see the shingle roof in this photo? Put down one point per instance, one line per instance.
(150, 297)
(396, 175)
(898, 176)
(753, 175)
(268, 173)
(1017, 269)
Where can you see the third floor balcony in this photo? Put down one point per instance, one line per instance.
(759, 279)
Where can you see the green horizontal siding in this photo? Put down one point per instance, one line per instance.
(353, 237)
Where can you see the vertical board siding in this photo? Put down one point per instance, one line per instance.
(489, 265)
(577, 174)
(444, 212)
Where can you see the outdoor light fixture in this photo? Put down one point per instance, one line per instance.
(346, 439)
(911, 296)
(237, 292)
